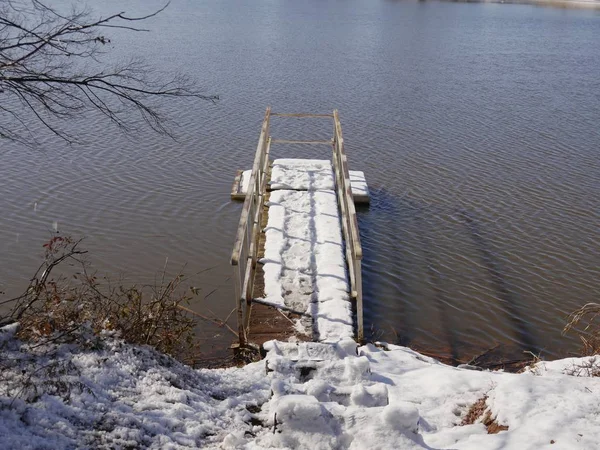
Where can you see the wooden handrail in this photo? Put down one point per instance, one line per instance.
(349, 222)
(289, 141)
(260, 150)
(301, 115)
(354, 235)
(243, 257)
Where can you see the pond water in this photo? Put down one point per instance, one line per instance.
(476, 126)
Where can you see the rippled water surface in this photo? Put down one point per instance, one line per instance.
(476, 126)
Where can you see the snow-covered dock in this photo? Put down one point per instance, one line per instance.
(297, 254)
(303, 263)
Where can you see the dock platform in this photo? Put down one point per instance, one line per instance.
(297, 253)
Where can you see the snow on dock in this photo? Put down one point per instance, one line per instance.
(358, 184)
(304, 266)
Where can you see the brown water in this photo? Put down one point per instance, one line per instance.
(476, 126)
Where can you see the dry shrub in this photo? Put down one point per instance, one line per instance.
(590, 335)
(587, 368)
(82, 306)
(590, 338)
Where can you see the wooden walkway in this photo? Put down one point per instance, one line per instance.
(264, 312)
(268, 322)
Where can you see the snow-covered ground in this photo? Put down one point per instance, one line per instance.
(301, 396)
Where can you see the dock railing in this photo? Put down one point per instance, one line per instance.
(245, 250)
(349, 222)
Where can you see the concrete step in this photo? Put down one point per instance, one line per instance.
(311, 351)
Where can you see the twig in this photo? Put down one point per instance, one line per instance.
(473, 361)
(210, 293)
(217, 322)
(229, 315)
(289, 320)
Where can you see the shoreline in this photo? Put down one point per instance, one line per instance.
(564, 4)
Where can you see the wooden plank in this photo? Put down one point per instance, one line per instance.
(359, 187)
(291, 141)
(267, 323)
(361, 199)
(259, 276)
(281, 308)
(358, 197)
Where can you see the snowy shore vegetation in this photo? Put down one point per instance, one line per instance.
(100, 392)
(65, 295)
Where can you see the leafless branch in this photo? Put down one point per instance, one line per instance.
(52, 69)
(58, 250)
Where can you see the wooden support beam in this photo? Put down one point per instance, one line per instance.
(291, 141)
(236, 189)
(282, 307)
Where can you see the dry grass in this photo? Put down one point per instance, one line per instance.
(480, 412)
(475, 411)
(590, 334)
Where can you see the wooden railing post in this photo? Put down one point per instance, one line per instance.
(237, 281)
(359, 302)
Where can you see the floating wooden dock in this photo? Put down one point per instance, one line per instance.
(297, 254)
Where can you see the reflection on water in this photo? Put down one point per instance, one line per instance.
(476, 126)
(431, 287)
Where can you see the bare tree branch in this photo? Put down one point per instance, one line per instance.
(52, 69)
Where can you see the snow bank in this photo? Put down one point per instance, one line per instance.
(302, 396)
(397, 398)
(119, 396)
